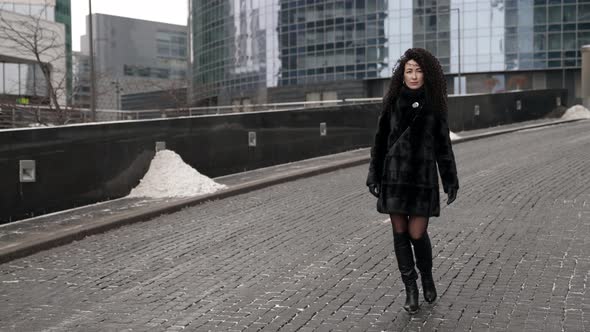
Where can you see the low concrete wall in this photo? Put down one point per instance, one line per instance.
(83, 164)
(501, 108)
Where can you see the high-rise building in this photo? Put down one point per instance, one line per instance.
(63, 14)
(20, 74)
(133, 56)
(81, 83)
(257, 51)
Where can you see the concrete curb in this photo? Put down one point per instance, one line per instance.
(51, 240)
(511, 130)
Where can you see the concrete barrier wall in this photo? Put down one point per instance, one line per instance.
(82, 164)
(501, 108)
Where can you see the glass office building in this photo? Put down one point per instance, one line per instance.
(251, 49)
(63, 14)
(24, 78)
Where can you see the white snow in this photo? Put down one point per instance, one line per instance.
(37, 124)
(453, 136)
(576, 112)
(170, 176)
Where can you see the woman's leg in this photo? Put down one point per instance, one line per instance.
(417, 226)
(423, 250)
(399, 223)
(405, 260)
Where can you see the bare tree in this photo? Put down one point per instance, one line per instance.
(41, 42)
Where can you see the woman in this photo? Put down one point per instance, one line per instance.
(411, 139)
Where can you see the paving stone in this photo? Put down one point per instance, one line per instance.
(511, 254)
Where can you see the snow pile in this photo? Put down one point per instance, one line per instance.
(454, 136)
(169, 176)
(576, 112)
(37, 124)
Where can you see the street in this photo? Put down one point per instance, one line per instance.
(512, 253)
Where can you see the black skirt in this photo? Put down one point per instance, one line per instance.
(410, 200)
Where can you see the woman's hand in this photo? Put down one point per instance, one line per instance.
(452, 194)
(374, 189)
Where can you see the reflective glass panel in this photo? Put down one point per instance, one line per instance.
(21, 9)
(569, 13)
(38, 11)
(569, 41)
(6, 6)
(555, 14)
(540, 15)
(11, 81)
(583, 12)
(539, 42)
(554, 41)
(27, 79)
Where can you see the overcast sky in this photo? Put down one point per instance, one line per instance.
(167, 11)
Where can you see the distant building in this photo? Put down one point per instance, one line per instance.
(292, 50)
(134, 56)
(81, 81)
(20, 76)
(154, 100)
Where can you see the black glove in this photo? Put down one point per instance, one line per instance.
(452, 194)
(374, 189)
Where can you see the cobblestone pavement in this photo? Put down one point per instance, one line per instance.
(511, 254)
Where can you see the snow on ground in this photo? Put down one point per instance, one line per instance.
(170, 176)
(576, 112)
(37, 124)
(454, 136)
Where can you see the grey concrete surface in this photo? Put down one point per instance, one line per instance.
(511, 254)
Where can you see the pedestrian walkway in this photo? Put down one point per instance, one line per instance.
(511, 254)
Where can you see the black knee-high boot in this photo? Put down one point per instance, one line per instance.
(405, 263)
(423, 251)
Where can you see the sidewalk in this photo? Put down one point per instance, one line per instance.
(28, 236)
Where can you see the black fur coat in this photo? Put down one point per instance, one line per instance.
(407, 170)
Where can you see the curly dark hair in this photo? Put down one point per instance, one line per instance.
(434, 79)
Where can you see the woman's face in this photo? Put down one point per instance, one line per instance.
(413, 76)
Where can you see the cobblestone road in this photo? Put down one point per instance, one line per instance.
(511, 254)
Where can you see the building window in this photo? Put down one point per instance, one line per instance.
(540, 42)
(11, 79)
(540, 15)
(583, 13)
(40, 83)
(171, 44)
(1, 77)
(554, 41)
(555, 14)
(569, 41)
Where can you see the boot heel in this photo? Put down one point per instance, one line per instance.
(423, 251)
(428, 288)
(405, 262)
(412, 306)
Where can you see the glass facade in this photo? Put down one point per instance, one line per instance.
(63, 14)
(232, 49)
(22, 79)
(241, 46)
(169, 57)
(332, 41)
(37, 10)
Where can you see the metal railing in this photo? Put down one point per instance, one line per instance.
(18, 116)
